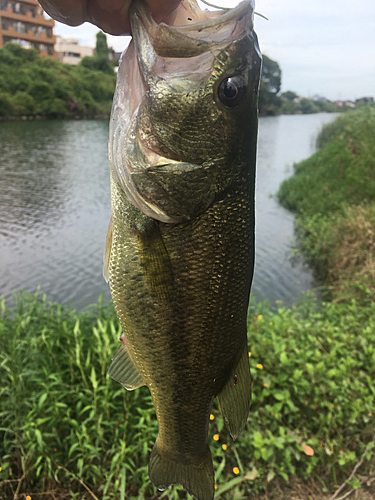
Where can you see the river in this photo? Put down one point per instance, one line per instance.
(55, 208)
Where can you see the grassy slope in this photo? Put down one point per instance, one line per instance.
(333, 193)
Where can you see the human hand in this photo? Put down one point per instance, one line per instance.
(111, 16)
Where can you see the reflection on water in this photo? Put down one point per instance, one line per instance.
(55, 207)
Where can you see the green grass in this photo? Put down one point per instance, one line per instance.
(341, 173)
(68, 431)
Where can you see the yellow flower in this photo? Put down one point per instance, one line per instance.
(211, 417)
(1, 469)
(224, 446)
(28, 497)
(249, 354)
(216, 487)
(271, 324)
(370, 414)
(264, 385)
(260, 366)
(216, 437)
(260, 317)
(236, 470)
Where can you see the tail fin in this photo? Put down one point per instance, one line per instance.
(197, 479)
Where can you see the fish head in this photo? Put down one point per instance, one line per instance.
(184, 118)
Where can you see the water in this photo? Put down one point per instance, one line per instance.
(55, 208)
(283, 141)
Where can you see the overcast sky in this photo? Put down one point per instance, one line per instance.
(324, 47)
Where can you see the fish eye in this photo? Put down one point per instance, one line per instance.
(231, 90)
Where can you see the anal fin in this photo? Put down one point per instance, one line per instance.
(123, 370)
(235, 397)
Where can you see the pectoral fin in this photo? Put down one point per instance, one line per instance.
(123, 369)
(235, 397)
(155, 260)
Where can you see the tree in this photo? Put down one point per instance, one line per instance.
(289, 95)
(100, 61)
(270, 83)
(308, 106)
(271, 75)
(101, 45)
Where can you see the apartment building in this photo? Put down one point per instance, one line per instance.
(70, 51)
(23, 22)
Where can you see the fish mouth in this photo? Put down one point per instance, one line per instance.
(189, 31)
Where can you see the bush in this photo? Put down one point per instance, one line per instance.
(98, 63)
(6, 107)
(23, 104)
(55, 89)
(41, 91)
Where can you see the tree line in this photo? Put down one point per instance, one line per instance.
(32, 85)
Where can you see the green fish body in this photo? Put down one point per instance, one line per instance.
(180, 248)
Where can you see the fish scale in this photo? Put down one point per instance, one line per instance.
(180, 248)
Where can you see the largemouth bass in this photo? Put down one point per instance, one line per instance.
(180, 247)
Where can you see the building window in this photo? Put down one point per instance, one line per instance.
(16, 8)
(29, 9)
(46, 48)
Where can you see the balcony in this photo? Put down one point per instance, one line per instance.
(29, 35)
(27, 29)
(38, 19)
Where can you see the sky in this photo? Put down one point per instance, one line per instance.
(323, 47)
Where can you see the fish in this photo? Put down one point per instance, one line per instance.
(179, 253)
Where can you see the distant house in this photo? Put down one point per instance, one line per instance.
(69, 50)
(23, 22)
(348, 104)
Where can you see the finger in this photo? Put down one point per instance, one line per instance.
(112, 16)
(71, 12)
(161, 9)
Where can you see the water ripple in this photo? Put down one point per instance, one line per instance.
(55, 207)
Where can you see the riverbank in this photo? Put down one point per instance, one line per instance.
(333, 195)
